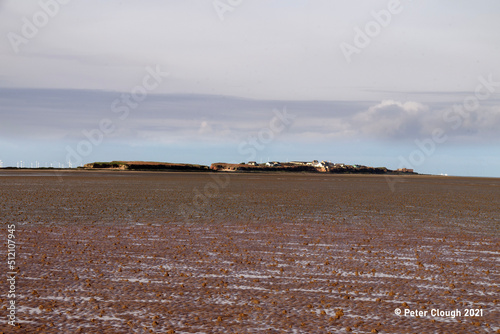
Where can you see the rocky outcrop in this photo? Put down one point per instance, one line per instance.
(294, 167)
(242, 167)
(145, 166)
(225, 167)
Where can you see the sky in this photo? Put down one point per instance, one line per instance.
(412, 84)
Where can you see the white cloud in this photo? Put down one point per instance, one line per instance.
(391, 119)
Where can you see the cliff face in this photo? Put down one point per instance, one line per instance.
(145, 165)
(225, 167)
(110, 165)
(290, 167)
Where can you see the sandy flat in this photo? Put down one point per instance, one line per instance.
(131, 252)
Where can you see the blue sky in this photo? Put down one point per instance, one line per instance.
(382, 83)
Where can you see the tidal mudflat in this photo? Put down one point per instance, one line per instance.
(133, 252)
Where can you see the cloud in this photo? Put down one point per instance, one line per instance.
(251, 53)
(395, 120)
(63, 115)
(205, 128)
(391, 120)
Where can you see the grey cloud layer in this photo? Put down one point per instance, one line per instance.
(63, 114)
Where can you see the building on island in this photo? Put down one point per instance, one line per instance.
(405, 170)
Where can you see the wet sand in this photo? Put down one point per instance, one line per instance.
(132, 252)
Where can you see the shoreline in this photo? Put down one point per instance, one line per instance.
(175, 171)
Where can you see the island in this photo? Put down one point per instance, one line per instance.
(314, 166)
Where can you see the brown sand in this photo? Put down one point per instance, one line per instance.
(127, 252)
